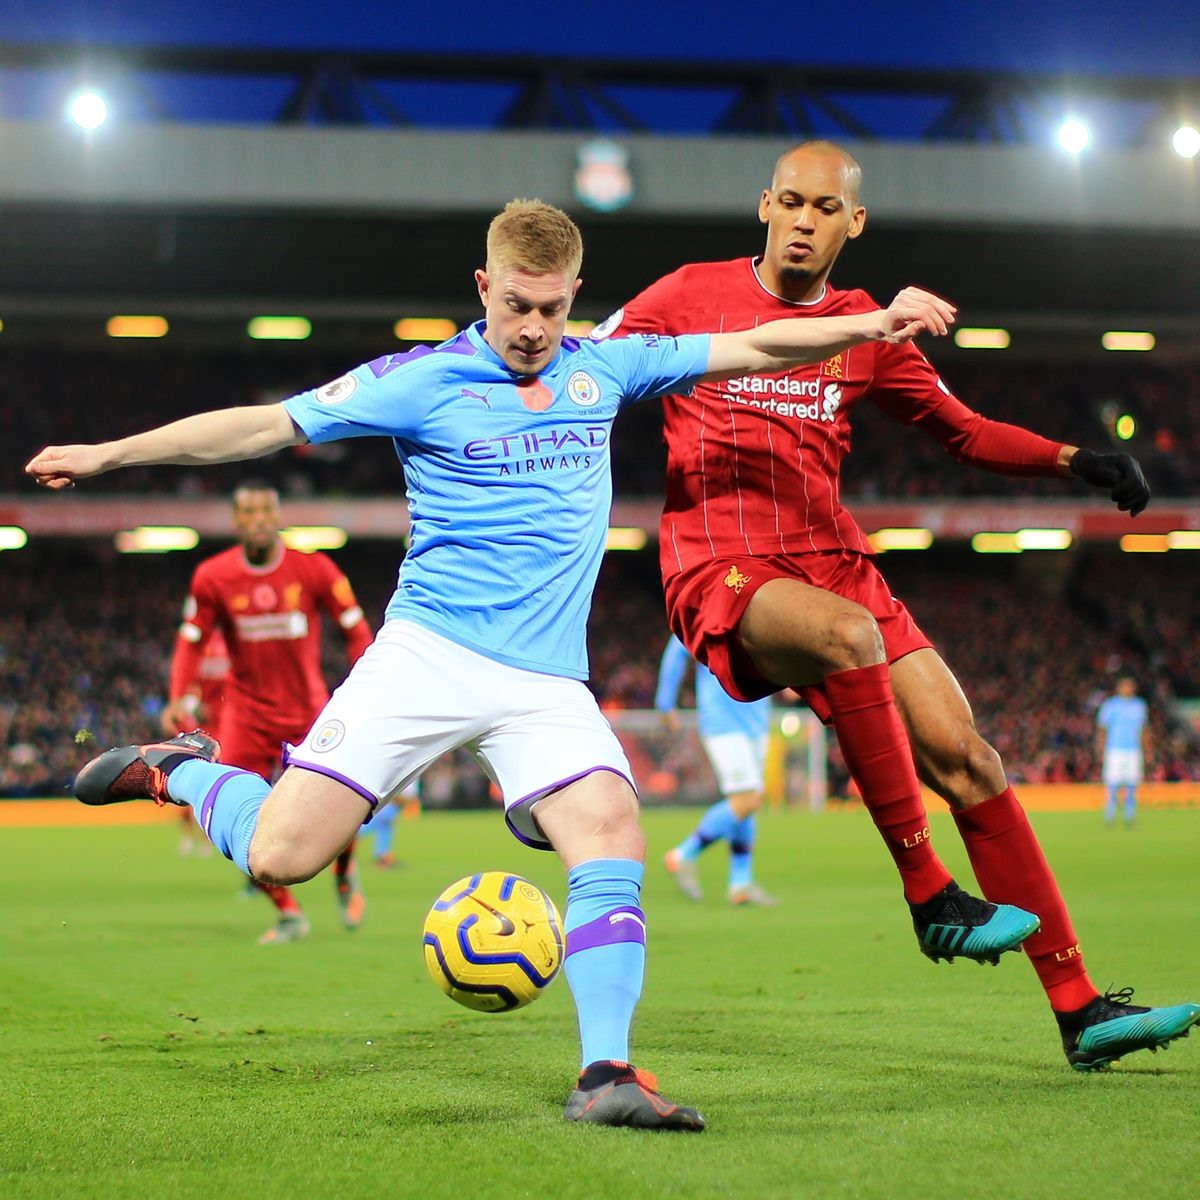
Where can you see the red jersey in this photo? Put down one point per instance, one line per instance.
(753, 462)
(270, 617)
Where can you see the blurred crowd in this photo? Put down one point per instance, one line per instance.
(92, 395)
(1037, 641)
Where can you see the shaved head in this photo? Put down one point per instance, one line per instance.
(791, 160)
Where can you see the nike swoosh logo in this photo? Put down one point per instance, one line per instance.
(506, 925)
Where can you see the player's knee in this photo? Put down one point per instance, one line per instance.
(278, 863)
(853, 640)
(966, 771)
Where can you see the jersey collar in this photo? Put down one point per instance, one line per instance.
(783, 299)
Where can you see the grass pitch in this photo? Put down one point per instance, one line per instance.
(149, 1048)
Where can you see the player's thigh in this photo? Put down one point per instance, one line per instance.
(594, 817)
(412, 697)
(946, 745)
(796, 634)
(303, 825)
(737, 760)
(548, 736)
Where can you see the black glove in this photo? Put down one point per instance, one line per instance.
(1119, 474)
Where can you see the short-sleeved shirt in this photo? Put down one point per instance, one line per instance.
(1122, 718)
(508, 478)
(718, 713)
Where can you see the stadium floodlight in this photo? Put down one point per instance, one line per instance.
(279, 329)
(88, 109)
(1183, 539)
(424, 329)
(625, 538)
(969, 338)
(307, 538)
(1127, 339)
(12, 537)
(156, 539)
(1044, 539)
(579, 329)
(136, 327)
(1185, 141)
(1126, 427)
(1145, 543)
(1074, 135)
(995, 543)
(915, 538)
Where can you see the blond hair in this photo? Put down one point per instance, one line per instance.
(535, 237)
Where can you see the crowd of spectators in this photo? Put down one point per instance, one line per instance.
(90, 395)
(1037, 641)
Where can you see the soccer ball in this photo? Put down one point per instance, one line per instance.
(493, 941)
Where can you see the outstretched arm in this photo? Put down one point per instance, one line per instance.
(225, 435)
(781, 344)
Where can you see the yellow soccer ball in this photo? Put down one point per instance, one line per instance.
(493, 941)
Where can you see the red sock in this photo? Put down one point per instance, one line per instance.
(344, 864)
(876, 750)
(279, 896)
(1011, 869)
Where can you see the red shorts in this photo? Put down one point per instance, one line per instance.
(705, 605)
(254, 748)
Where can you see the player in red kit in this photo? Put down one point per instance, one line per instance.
(770, 582)
(266, 601)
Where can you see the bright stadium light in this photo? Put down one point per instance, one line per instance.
(625, 538)
(12, 537)
(1145, 543)
(424, 329)
(969, 338)
(307, 538)
(1137, 341)
(883, 540)
(88, 109)
(1074, 135)
(156, 539)
(1186, 141)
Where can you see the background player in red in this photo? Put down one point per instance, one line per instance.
(769, 580)
(266, 601)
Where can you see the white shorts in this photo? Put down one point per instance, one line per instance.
(414, 695)
(737, 761)
(1122, 768)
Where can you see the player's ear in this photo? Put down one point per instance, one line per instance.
(481, 285)
(764, 206)
(858, 222)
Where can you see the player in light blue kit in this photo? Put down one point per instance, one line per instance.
(735, 739)
(1123, 743)
(503, 433)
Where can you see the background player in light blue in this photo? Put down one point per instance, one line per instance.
(503, 433)
(735, 739)
(1123, 743)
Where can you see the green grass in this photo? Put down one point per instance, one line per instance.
(149, 1048)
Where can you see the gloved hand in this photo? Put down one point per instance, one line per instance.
(1119, 474)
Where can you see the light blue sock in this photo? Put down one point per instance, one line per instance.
(1130, 802)
(384, 825)
(606, 953)
(741, 853)
(225, 800)
(717, 823)
(1110, 808)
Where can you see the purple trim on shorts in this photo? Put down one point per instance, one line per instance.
(210, 798)
(541, 843)
(627, 924)
(369, 797)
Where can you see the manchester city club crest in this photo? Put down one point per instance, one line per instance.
(583, 390)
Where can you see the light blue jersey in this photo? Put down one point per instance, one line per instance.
(508, 478)
(717, 711)
(1122, 718)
